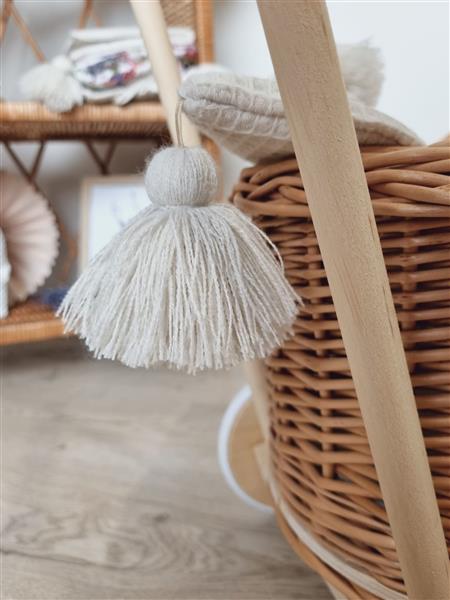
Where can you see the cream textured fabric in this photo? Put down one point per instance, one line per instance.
(187, 283)
(246, 114)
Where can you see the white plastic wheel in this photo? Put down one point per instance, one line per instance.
(237, 405)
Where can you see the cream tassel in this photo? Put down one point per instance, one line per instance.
(53, 84)
(186, 283)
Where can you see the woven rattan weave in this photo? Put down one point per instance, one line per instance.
(321, 458)
(29, 322)
(34, 122)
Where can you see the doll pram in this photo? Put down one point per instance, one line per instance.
(344, 223)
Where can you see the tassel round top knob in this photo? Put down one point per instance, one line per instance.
(179, 176)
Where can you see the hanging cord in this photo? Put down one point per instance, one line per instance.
(179, 123)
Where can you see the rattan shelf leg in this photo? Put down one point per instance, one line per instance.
(104, 163)
(306, 65)
(31, 174)
(26, 33)
(6, 13)
(37, 162)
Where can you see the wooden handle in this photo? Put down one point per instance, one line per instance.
(307, 69)
(150, 18)
(255, 372)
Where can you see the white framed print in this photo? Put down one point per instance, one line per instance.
(107, 203)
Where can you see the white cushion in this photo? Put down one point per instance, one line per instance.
(246, 115)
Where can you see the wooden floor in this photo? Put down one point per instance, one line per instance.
(111, 488)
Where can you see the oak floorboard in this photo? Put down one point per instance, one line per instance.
(111, 488)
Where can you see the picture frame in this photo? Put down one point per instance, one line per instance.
(107, 203)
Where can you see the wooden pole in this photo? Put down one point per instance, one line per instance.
(307, 69)
(150, 18)
(255, 372)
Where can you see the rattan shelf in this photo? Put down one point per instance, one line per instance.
(31, 121)
(30, 322)
(88, 124)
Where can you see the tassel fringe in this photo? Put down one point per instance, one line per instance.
(192, 288)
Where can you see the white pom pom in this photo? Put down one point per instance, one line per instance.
(181, 177)
(185, 284)
(53, 85)
(362, 70)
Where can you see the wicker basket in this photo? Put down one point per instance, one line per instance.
(323, 469)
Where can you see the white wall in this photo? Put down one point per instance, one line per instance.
(413, 37)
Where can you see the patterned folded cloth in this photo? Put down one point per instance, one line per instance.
(107, 60)
(104, 64)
